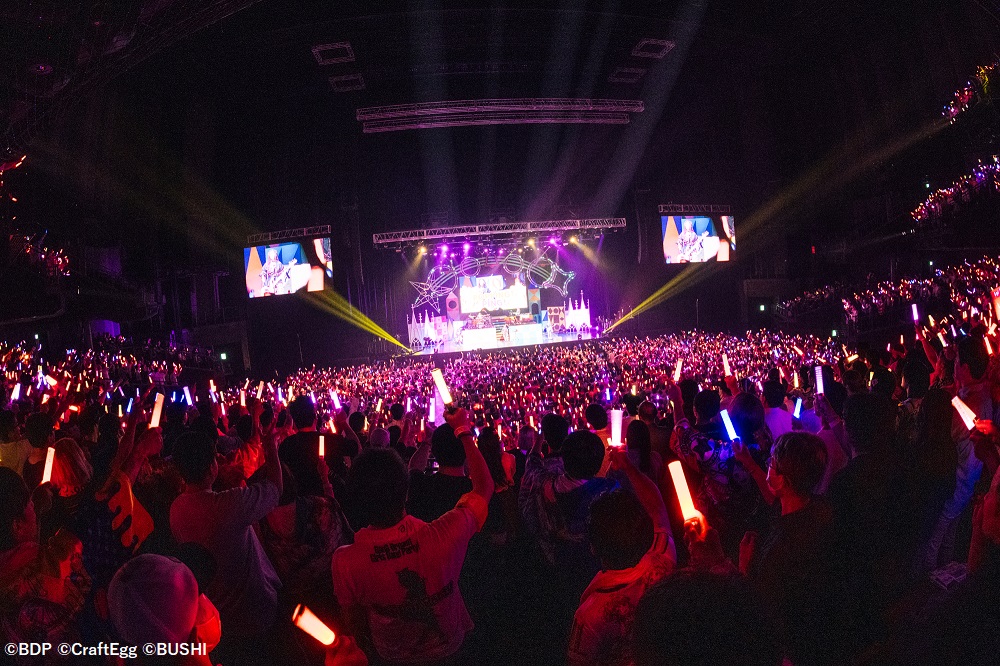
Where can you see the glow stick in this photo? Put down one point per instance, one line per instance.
(260, 390)
(322, 446)
(378, 407)
(430, 411)
(944, 343)
(334, 397)
(798, 351)
(953, 333)
(616, 427)
(677, 370)
(607, 394)
(154, 422)
(211, 385)
(989, 347)
(16, 393)
(633, 389)
(965, 412)
(280, 398)
(931, 320)
(50, 380)
(50, 457)
(442, 388)
(212, 395)
(795, 379)
(120, 415)
(409, 404)
(819, 379)
(728, 422)
(683, 492)
(312, 396)
(725, 366)
(916, 315)
(531, 419)
(852, 358)
(421, 424)
(304, 619)
(500, 431)
(187, 396)
(798, 408)
(243, 398)
(128, 410)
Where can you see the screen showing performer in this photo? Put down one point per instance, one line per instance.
(492, 293)
(697, 239)
(274, 270)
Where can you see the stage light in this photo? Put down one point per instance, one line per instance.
(423, 250)
(500, 251)
(553, 241)
(572, 239)
(444, 249)
(531, 242)
(467, 247)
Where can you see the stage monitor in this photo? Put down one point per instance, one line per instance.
(492, 293)
(286, 268)
(689, 239)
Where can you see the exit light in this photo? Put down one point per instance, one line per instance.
(223, 356)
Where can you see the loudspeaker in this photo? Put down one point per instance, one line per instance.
(452, 307)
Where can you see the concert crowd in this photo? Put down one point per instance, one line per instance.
(538, 514)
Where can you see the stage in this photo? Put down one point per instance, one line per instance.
(481, 343)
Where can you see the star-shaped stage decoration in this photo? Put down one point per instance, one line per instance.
(558, 279)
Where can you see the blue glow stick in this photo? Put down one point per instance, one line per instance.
(730, 430)
(798, 408)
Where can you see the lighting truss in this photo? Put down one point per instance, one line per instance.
(470, 120)
(288, 234)
(496, 230)
(523, 104)
(681, 209)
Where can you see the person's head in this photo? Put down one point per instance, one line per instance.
(379, 438)
(971, 362)
(397, 411)
(797, 465)
(526, 438)
(244, 427)
(153, 598)
(707, 405)
(71, 471)
(303, 412)
(8, 426)
(855, 382)
(492, 450)
(38, 430)
(357, 422)
(647, 412)
(747, 414)
(554, 429)
(619, 529)
(883, 381)
(916, 378)
(774, 394)
(377, 484)
(870, 421)
(18, 523)
(597, 418)
(446, 448)
(194, 457)
(583, 454)
(703, 619)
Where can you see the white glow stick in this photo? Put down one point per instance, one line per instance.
(965, 412)
(50, 457)
(322, 446)
(819, 379)
(336, 399)
(304, 619)
(243, 398)
(128, 410)
(442, 388)
(260, 390)
(989, 348)
(187, 396)
(430, 411)
(916, 315)
(728, 422)
(852, 358)
(409, 404)
(616, 427)
(677, 369)
(211, 385)
(931, 320)
(798, 408)
(50, 380)
(16, 393)
(725, 366)
(795, 379)
(378, 407)
(683, 492)
(154, 422)
(944, 343)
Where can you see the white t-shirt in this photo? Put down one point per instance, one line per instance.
(602, 626)
(406, 579)
(778, 421)
(245, 587)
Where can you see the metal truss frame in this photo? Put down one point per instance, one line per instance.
(522, 105)
(668, 209)
(498, 229)
(288, 234)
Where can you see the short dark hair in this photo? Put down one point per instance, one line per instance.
(582, 454)
(800, 457)
(747, 414)
(377, 484)
(620, 530)
(244, 427)
(917, 376)
(707, 405)
(647, 411)
(38, 429)
(870, 420)
(695, 618)
(596, 416)
(774, 394)
(303, 412)
(357, 421)
(446, 448)
(972, 353)
(8, 425)
(555, 429)
(193, 454)
(397, 411)
(14, 496)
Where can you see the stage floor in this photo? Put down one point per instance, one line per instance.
(450, 347)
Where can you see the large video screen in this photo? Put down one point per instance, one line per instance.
(285, 268)
(689, 239)
(492, 293)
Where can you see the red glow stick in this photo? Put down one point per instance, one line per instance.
(304, 619)
(50, 457)
(683, 492)
(322, 446)
(154, 422)
(965, 412)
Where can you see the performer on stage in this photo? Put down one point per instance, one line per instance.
(274, 274)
